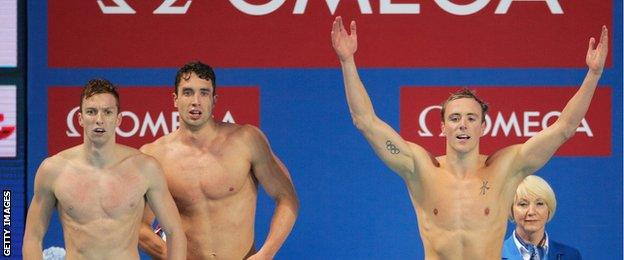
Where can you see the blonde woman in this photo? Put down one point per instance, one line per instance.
(534, 205)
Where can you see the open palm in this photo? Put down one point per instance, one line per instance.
(596, 57)
(344, 44)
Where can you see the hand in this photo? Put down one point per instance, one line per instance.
(344, 44)
(596, 57)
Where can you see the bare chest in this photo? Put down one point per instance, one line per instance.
(207, 176)
(112, 194)
(472, 203)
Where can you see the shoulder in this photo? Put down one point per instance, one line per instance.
(503, 155)
(246, 133)
(140, 160)
(157, 146)
(557, 247)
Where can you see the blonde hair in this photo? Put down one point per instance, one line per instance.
(535, 187)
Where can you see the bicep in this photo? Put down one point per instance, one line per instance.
(397, 153)
(41, 206)
(159, 200)
(536, 151)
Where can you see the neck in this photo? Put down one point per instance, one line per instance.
(99, 155)
(461, 163)
(532, 237)
(198, 135)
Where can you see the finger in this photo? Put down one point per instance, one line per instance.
(604, 37)
(592, 41)
(336, 25)
(340, 25)
(353, 29)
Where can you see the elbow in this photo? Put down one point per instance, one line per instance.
(362, 122)
(289, 201)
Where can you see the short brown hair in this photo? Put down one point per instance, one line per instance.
(99, 86)
(466, 93)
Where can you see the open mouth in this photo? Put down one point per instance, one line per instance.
(195, 113)
(99, 130)
(462, 137)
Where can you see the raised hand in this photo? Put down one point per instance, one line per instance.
(344, 44)
(595, 58)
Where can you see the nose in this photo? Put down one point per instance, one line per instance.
(195, 99)
(462, 124)
(99, 118)
(531, 210)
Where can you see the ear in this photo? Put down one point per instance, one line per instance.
(442, 128)
(483, 128)
(119, 117)
(175, 100)
(79, 115)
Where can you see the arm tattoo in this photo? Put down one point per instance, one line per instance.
(392, 148)
(484, 187)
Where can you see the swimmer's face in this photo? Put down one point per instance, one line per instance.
(530, 215)
(99, 117)
(194, 100)
(462, 124)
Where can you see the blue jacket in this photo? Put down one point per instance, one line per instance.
(556, 251)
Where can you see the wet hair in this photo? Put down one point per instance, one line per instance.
(535, 187)
(466, 93)
(99, 86)
(202, 70)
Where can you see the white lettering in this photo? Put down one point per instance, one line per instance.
(228, 118)
(424, 131)
(135, 122)
(509, 126)
(387, 7)
(71, 131)
(528, 123)
(121, 8)
(553, 6)
(500, 123)
(167, 7)
(458, 9)
(585, 128)
(252, 9)
(143, 126)
(160, 123)
(300, 6)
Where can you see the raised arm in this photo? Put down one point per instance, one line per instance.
(39, 212)
(395, 152)
(161, 203)
(275, 179)
(536, 151)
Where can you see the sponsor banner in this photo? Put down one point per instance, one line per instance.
(8, 33)
(515, 114)
(8, 121)
(280, 33)
(147, 113)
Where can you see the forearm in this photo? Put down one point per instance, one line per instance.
(360, 105)
(578, 105)
(32, 250)
(152, 244)
(282, 223)
(176, 244)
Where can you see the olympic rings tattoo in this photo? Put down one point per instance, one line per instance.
(392, 148)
